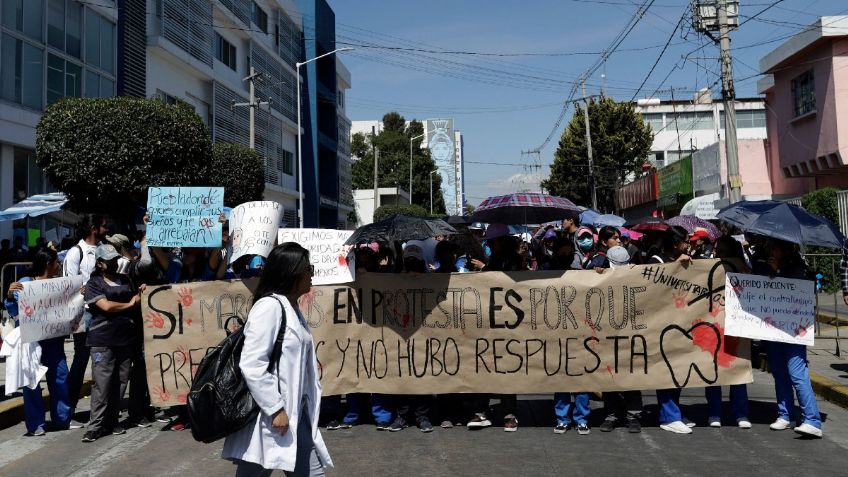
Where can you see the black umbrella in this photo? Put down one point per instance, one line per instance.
(782, 221)
(400, 228)
(459, 220)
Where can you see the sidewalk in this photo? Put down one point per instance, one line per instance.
(12, 407)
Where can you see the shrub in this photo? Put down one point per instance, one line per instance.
(823, 202)
(386, 211)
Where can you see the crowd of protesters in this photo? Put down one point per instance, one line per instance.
(115, 270)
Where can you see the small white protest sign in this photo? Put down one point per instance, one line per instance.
(50, 308)
(772, 309)
(252, 228)
(331, 258)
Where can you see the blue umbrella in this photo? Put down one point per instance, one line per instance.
(609, 219)
(782, 221)
(588, 217)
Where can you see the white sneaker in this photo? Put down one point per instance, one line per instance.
(743, 423)
(677, 427)
(780, 424)
(688, 423)
(808, 430)
(715, 422)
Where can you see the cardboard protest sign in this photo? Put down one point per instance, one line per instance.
(50, 308)
(252, 228)
(772, 309)
(642, 327)
(331, 258)
(184, 216)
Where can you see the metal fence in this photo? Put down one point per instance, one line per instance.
(818, 261)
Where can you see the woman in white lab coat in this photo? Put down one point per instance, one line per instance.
(285, 435)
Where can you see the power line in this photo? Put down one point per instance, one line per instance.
(671, 37)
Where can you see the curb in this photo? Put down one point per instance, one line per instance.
(829, 318)
(12, 410)
(830, 390)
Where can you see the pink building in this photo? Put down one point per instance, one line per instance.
(806, 88)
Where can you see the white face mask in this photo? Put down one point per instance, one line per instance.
(123, 266)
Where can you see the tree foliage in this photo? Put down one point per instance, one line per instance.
(393, 165)
(240, 170)
(386, 211)
(823, 202)
(105, 153)
(620, 142)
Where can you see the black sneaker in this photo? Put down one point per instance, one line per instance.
(74, 424)
(479, 421)
(399, 425)
(118, 430)
(561, 428)
(633, 425)
(608, 425)
(143, 423)
(383, 426)
(91, 436)
(582, 429)
(333, 425)
(425, 426)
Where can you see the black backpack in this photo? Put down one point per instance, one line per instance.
(219, 402)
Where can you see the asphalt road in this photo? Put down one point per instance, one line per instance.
(533, 450)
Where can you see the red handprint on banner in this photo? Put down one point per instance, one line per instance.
(185, 296)
(154, 320)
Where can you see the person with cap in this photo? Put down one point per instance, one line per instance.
(585, 240)
(545, 249)
(139, 410)
(504, 258)
(701, 245)
(608, 237)
(632, 248)
(478, 230)
(114, 302)
(618, 256)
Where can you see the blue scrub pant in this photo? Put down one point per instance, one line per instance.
(579, 409)
(53, 357)
(668, 401)
(738, 401)
(789, 367)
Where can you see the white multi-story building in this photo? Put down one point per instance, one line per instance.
(346, 203)
(195, 52)
(682, 127)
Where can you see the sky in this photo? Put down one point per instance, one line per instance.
(502, 69)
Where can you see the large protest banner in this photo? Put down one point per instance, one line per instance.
(253, 226)
(773, 309)
(184, 216)
(641, 327)
(50, 308)
(330, 256)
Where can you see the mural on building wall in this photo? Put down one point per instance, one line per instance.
(443, 152)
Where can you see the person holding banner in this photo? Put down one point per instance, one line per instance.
(674, 248)
(44, 265)
(729, 250)
(288, 392)
(114, 303)
(788, 361)
(80, 260)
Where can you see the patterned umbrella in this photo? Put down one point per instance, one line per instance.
(647, 224)
(523, 208)
(692, 223)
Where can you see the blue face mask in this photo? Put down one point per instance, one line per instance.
(137, 244)
(585, 243)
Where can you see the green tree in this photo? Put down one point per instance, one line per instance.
(240, 170)
(620, 142)
(393, 164)
(386, 211)
(823, 202)
(105, 153)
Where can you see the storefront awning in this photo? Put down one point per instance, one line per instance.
(35, 206)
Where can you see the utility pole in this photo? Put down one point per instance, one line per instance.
(589, 151)
(376, 161)
(253, 104)
(723, 16)
(728, 96)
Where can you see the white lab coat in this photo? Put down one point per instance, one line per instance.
(259, 442)
(23, 363)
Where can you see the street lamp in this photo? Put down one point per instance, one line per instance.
(300, 133)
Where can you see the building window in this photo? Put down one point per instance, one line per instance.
(747, 118)
(99, 42)
(655, 120)
(64, 78)
(804, 94)
(225, 52)
(25, 16)
(21, 72)
(340, 99)
(288, 163)
(260, 18)
(28, 179)
(693, 121)
(673, 156)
